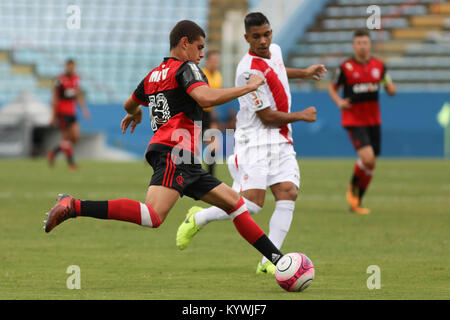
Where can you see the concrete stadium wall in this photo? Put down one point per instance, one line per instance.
(409, 126)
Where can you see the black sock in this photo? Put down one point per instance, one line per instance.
(94, 209)
(268, 249)
(361, 194)
(355, 185)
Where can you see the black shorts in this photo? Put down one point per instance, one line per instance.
(188, 179)
(65, 120)
(366, 136)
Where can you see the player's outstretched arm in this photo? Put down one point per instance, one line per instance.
(209, 97)
(275, 118)
(133, 117)
(316, 72)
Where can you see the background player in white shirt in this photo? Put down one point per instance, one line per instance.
(264, 153)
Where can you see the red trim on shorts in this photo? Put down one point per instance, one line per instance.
(173, 171)
(167, 169)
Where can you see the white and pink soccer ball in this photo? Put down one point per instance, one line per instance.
(294, 272)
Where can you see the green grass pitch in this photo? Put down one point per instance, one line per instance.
(406, 235)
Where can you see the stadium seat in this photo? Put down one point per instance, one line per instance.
(115, 38)
(413, 34)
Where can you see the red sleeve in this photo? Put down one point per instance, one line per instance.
(195, 85)
(139, 94)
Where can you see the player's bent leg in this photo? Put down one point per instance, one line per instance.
(254, 199)
(363, 175)
(204, 216)
(225, 198)
(256, 196)
(161, 199)
(367, 156)
(198, 217)
(128, 210)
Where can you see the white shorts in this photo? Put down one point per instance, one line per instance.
(263, 166)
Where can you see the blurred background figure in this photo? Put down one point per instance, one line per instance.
(210, 115)
(361, 77)
(66, 95)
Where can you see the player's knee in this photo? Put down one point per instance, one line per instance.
(288, 193)
(258, 202)
(256, 198)
(235, 202)
(157, 224)
(152, 217)
(369, 162)
(159, 219)
(292, 193)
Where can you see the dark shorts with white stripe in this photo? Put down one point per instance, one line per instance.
(188, 179)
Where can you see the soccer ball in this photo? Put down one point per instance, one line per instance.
(294, 272)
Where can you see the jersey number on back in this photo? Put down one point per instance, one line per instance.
(159, 110)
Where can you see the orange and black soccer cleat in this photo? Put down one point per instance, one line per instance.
(352, 199)
(63, 210)
(360, 210)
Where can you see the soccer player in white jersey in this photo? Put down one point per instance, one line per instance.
(264, 153)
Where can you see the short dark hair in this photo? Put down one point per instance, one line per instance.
(361, 33)
(255, 19)
(69, 61)
(185, 28)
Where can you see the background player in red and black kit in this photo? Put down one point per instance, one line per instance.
(66, 95)
(175, 92)
(361, 76)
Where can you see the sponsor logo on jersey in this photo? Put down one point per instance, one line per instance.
(256, 100)
(365, 87)
(376, 73)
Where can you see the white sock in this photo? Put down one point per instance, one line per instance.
(280, 223)
(207, 215)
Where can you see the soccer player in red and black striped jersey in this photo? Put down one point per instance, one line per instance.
(65, 95)
(361, 77)
(175, 92)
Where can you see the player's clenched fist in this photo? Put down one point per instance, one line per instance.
(309, 114)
